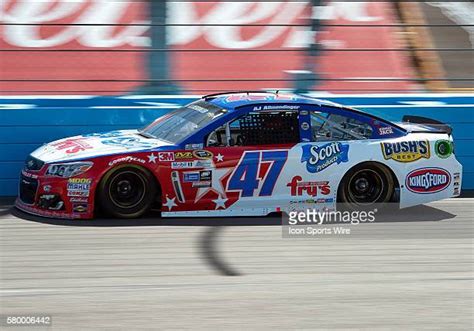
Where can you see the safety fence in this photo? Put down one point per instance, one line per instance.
(27, 123)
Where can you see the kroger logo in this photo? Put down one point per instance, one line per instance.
(318, 158)
(428, 180)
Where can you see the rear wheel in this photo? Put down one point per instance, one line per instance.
(126, 192)
(365, 185)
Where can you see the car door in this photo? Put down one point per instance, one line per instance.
(324, 158)
(251, 162)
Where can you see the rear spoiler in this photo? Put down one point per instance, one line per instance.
(429, 122)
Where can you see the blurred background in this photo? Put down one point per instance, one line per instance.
(70, 67)
(105, 47)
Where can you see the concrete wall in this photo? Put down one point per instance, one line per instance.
(28, 122)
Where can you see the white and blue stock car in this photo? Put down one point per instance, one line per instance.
(240, 154)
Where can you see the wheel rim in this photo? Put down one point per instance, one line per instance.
(365, 187)
(127, 189)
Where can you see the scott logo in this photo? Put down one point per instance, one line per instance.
(406, 151)
(428, 180)
(318, 158)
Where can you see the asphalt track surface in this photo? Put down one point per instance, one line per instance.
(412, 270)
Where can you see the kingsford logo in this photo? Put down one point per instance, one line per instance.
(428, 180)
(318, 158)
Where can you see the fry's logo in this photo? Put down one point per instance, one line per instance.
(406, 151)
(297, 187)
(318, 158)
(428, 180)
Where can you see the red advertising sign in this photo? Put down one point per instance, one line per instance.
(104, 43)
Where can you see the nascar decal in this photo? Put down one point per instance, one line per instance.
(406, 151)
(203, 155)
(428, 180)
(318, 158)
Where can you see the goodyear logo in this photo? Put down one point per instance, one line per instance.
(406, 151)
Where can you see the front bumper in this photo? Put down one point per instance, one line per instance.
(55, 197)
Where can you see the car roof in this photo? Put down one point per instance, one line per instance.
(233, 100)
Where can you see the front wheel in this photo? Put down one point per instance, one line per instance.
(366, 185)
(126, 192)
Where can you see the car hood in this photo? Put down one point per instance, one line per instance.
(96, 144)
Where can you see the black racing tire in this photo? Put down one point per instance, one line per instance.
(365, 185)
(126, 192)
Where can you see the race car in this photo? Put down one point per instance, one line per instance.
(243, 154)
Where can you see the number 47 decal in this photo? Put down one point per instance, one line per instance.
(245, 176)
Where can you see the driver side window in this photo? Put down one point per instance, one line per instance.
(257, 128)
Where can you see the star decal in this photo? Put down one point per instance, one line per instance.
(152, 158)
(216, 184)
(220, 202)
(170, 203)
(220, 157)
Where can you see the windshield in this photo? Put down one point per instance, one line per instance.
(181, 123)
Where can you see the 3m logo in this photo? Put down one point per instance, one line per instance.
(428, 180)
(166, 156)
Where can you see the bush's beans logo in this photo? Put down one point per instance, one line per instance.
(318, 158)
(406, 151)
(203, 155)
(428, 180)
(298, 187)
